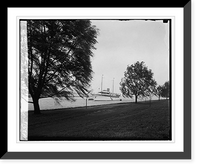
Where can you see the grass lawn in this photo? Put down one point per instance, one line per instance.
(126, 121)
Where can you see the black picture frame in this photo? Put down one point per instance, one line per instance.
(186, 154)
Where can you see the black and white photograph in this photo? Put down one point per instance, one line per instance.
(96, 79)
(99, 83)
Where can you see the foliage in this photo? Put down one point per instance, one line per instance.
(138, 81)
(164, 90)
(159, 91)
(59, 54)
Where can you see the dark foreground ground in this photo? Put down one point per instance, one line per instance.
(126, 121)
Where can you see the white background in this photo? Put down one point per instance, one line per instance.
(177, 75)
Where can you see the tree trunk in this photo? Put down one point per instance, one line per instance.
(135, 98)
(36, 106)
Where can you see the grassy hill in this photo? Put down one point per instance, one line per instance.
(125, 121)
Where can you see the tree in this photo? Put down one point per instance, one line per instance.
(59, 54)
(166, 90)
(138, 81)
(159, 91)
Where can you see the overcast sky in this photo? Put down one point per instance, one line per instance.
(122, 43)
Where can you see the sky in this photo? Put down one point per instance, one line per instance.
(122, 43)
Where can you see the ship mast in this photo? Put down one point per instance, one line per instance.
(113, 85)
(101, 83)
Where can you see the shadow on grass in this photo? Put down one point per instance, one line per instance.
(116, 122)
